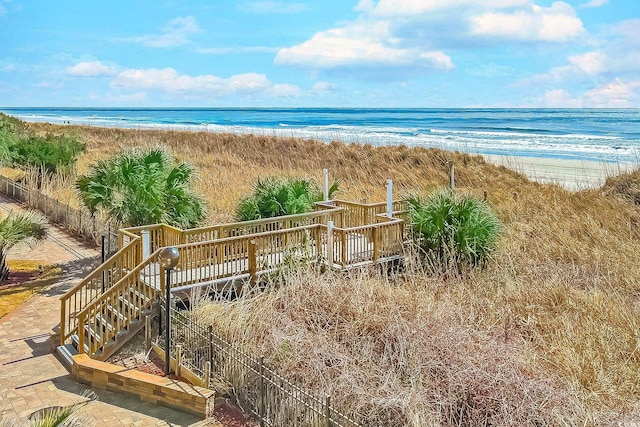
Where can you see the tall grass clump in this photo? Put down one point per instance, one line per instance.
(15, 228)
(453, 230)
(273, 197)
(389, 353)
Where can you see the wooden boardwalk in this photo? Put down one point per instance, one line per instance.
(340, 234)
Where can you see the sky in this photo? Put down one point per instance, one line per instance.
(330, 53)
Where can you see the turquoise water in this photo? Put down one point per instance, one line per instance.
(611, 135)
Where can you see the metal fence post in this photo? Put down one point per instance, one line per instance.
(211, 345)
(327, 411)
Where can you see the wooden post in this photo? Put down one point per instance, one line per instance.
(81, 335)
(327, 413)
(344, 248)
(453, 177)
(318, 241)
(389, 198)
(253, 267)
(63, 321)
(484, 197)
(330, 244)
(207, 374)
(376, 244)
(178, 360)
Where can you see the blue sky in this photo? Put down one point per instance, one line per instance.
(332, 53)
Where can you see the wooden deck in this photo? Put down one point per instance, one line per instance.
(341, 235)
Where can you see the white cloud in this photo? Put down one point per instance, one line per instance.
(92, 69)
(175, 33)
(490, 70)
(559, 98)
(240, 49)
(612, 94)
(360, 44)
(50, 85)
(324, 87)
(417, 7)
(594, 3)
(272, 7)
(557, 23)
(8, 68)
(285, 90)
(618, 55)
(586, 65)
(169, 81)
(399, 37)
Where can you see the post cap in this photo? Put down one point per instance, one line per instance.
(169, 257)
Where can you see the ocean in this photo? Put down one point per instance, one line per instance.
(602, 135)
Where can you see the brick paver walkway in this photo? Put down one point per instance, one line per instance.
(31, 377)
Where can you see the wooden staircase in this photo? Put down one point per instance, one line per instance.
(109, 306)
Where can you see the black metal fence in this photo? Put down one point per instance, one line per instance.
(273, 399)
(77, 222)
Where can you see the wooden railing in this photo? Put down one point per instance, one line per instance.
(217, 252)
(115, 309)
(358, 214)
(367, 244)
(95, 284)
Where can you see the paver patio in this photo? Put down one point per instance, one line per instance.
(31, 377)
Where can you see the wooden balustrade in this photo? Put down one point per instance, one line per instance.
(97, 282)
(221, 251)
(115, 309)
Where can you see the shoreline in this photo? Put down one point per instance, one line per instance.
(571, 174)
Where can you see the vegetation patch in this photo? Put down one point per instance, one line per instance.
(626, 185)
(138, 187)
(273, 197)
(453, 231)
(27, 278)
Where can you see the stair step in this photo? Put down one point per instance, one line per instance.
(65, 355)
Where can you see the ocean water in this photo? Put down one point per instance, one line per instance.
(603, 135)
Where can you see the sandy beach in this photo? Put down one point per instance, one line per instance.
(571, 174)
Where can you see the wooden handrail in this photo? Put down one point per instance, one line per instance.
(89, 288)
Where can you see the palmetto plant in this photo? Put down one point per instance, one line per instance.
(273, 197)
(453, 230)
(58, 416)
(29, 227)
(142, 187)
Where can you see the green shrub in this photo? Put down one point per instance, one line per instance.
(273, 197)
(10, 129)
(453, 231)
(53, 153)
(142, 187)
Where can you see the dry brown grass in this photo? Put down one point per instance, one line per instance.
(547, 335)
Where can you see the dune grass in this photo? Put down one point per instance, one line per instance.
(38, 276)
(547, 334)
